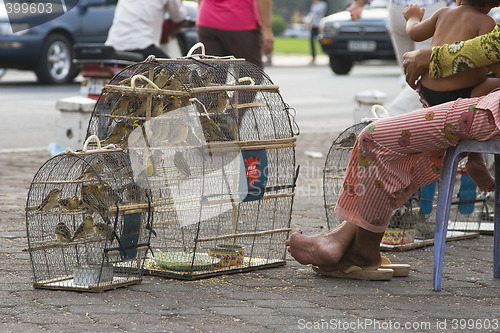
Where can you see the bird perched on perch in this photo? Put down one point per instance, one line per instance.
(181, 164)
(70, 203)
(212, 130)
(104, 230)
(133, 193)
(157, 109)
(93, 198)
(92, 170)
(195, 80)
(84, 229)
(208, 76)
(173, 103)
(50, 201)
(178, 132)
(121, 130)
(173, 83)
(161, 78)
(182, 73)
(62, 232)
(219, 103)
(121, 106)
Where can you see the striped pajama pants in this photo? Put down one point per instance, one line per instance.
(393, 157)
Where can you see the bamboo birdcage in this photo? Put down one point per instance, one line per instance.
(218, 144)
(88, 222)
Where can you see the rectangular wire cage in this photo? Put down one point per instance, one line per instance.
(216, 141)
(88, 222)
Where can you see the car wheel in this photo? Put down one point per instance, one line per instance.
(56, 62)
(341, 65)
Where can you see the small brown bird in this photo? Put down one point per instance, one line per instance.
(84, 229)
(348, 141)
(212, 130)
(219, 103)
(70, 203)
(142, 109)
(182, 73)
(157, 109)
(181, 164)
(93, 198)
(62, 232)
(178, 132)
(50, 201)
(121, 130)
(161, 78)
(208, 76)
(174, 83)
(133, 193)
(173, 103)
(121, 106)
(195, 80)
(159, 132)
(104, 230)
(92, 170)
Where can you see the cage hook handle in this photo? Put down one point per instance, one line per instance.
(142, 77)
(92, 137)
(378, 111)
(198, 45)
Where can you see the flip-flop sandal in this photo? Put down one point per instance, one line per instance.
(399, 269)
(358, 273)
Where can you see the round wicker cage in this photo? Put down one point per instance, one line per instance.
(88, 222)
(411, 225)
(217, 142)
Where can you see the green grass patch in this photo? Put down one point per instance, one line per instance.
(294, 46)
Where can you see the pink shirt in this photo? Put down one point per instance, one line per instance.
(229, 14)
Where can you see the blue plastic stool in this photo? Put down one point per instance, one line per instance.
(445, 194)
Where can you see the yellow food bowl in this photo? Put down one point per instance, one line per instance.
(398, 237)
(229, 254)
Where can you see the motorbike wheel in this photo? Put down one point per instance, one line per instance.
(341, 65)
(56, 62)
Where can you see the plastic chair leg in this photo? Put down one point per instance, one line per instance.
(496, 244)
(445, 196)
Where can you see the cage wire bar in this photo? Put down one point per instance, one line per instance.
(217, 144)
(88, 222)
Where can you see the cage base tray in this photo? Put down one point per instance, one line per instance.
(247, 266)
(68, 284)
(419, 243)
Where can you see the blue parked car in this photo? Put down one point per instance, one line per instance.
(47, 49)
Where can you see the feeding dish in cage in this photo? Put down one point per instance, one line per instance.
(181, 261)
(227, 176)
(94, 234)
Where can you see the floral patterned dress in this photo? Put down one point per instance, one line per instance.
(450, 59)
(393, 157)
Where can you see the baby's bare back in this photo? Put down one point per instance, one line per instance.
(455, 25)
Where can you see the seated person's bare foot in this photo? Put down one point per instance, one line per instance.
(364, 251)
(478, 171)
(323, 250)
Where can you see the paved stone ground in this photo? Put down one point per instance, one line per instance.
(290, 298)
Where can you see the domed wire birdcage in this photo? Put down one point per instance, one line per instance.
(88, 221)
(411, 225)
(218, 145)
